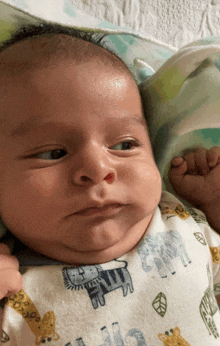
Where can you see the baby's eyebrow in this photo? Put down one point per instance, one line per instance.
(138, 119)
(26, 126)
(132, 119)
(35, 124)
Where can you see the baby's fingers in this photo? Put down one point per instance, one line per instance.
(178, 165)
(201, 160)
(191, 164)
(8, 262)
(11, 282)
(177, 161)
(177, 171)
(213, 156)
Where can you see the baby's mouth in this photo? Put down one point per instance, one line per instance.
(106, 210)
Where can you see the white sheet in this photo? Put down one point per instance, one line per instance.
(175, 22)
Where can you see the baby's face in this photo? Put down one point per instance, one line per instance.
(73, 139)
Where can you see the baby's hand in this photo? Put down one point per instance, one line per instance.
(196, 176)
(10, 277)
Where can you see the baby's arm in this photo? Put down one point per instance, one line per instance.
(196, 178)
(10, 277)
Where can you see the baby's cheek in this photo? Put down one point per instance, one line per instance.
(149, 174)
(150, 183)
(145, 182)
(45, 182)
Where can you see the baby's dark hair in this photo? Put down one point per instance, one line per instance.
(31, 30)
(43, 28)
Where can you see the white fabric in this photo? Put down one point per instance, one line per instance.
(160, 292)
(175, 22)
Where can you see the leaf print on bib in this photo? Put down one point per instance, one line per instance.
(4, 337)
(160, 304)
(200, 237)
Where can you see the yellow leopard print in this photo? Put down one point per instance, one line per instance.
(179, 211)
(215, 252)
(43, 328)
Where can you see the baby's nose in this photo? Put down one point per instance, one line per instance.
(94, 166)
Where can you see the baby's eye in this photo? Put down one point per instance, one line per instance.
(51, 154)
(125, 145)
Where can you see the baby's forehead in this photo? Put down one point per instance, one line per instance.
(48, 49)
(44, 50)
(39, 51)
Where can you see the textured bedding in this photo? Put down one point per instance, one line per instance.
(176, 22)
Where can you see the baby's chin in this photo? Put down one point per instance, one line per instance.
(103, 252)
(89, 255)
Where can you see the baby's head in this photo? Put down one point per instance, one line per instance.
(78, 181)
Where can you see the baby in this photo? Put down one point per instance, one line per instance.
(78, 184)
